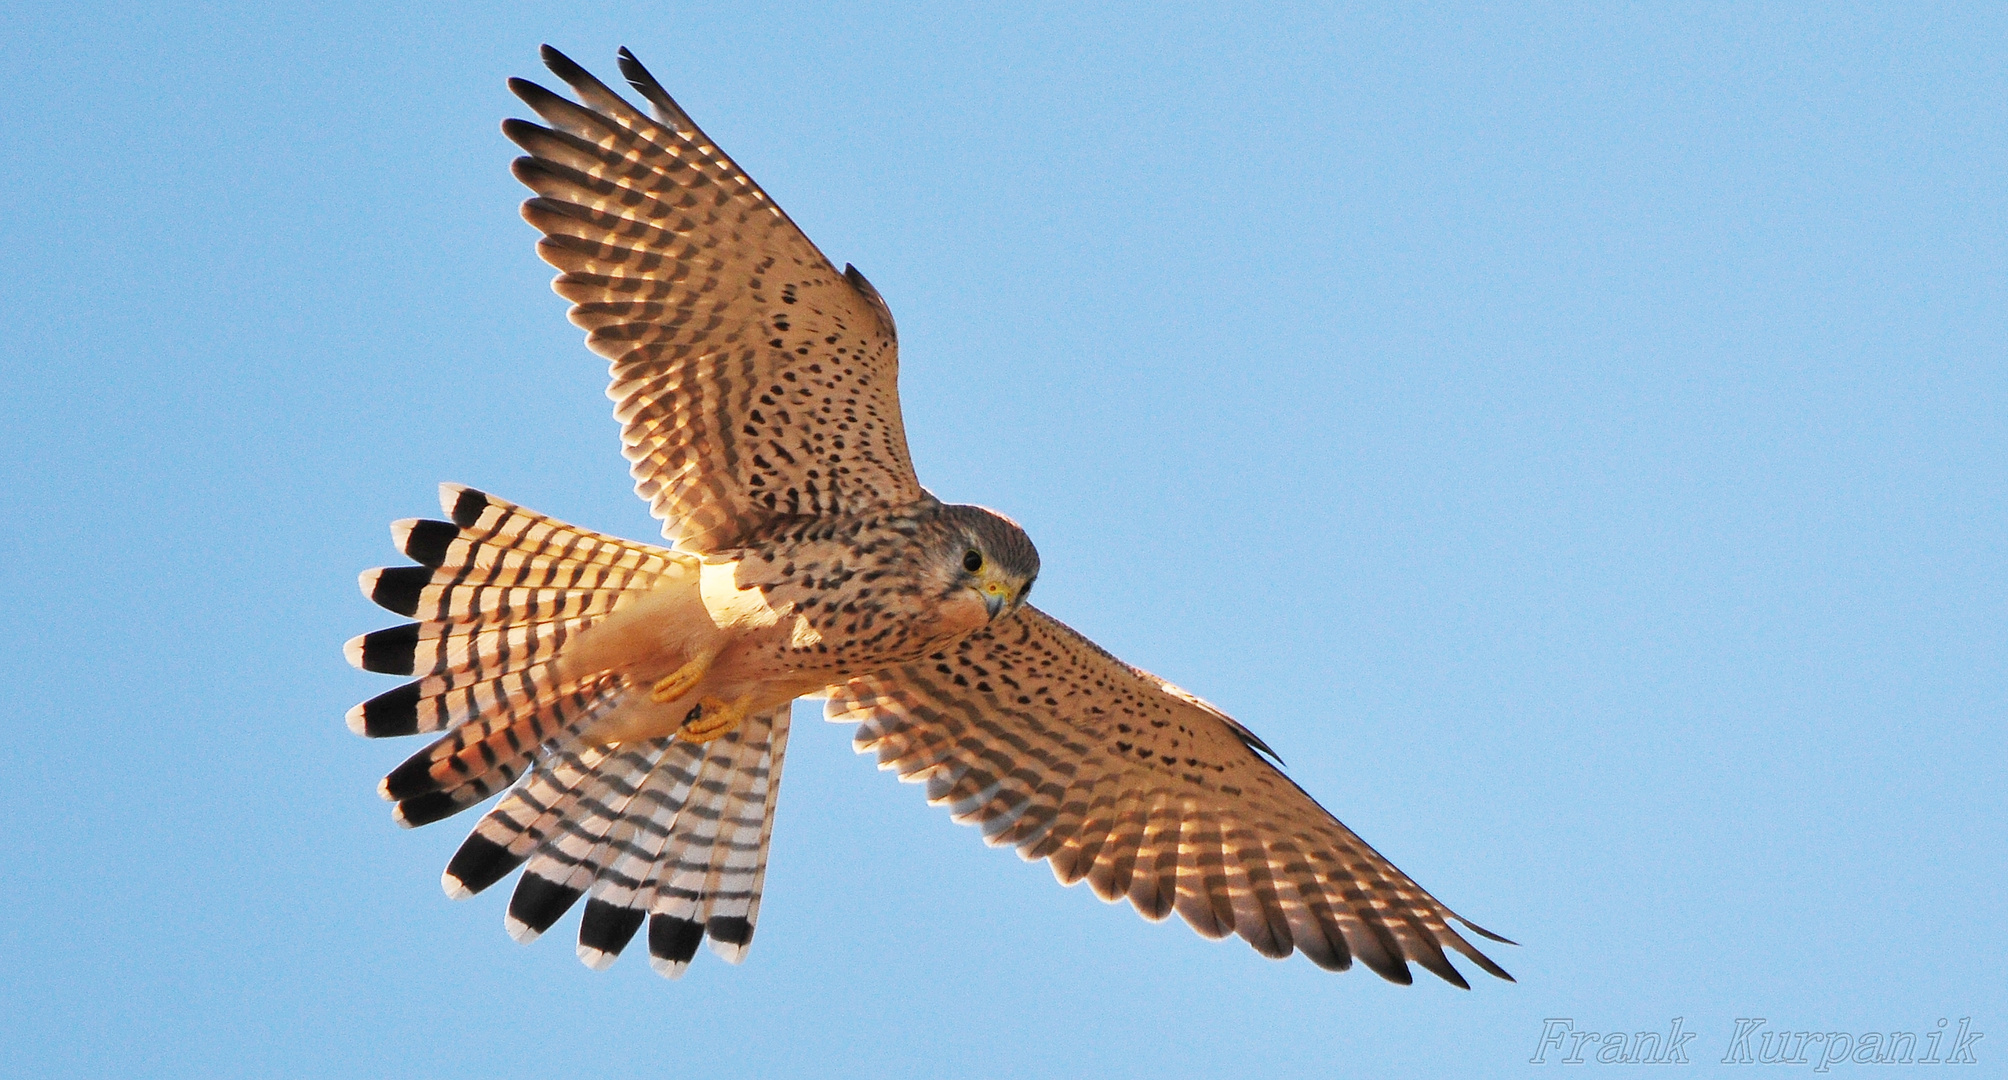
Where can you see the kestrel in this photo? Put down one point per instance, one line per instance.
(637, 697)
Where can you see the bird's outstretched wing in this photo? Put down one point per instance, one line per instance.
(1051, 745)
(755, 383)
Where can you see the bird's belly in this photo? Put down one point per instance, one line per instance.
(749, 649)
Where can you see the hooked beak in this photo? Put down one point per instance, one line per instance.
(995, 596)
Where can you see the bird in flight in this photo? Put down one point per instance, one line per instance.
(633, 700)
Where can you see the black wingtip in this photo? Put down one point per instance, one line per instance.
(1382, 954)
(519, 131)
(1327, 950)
(645, 83)
(1441, 967)
(859, 282)
(528, 92)
(561, 65)
(1482, 932)
(1472, 954)
(1394, 970)
(575, 75)
(633, 71)
(1253, 741)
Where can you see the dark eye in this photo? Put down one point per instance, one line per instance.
(972, 560)
(1027, 591)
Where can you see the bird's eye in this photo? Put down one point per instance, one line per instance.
(972, 560)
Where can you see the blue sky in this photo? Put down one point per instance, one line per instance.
(1575, 441)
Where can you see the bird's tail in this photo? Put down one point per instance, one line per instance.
(661, 831)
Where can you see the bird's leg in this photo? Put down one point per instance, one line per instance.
(684, 679)
(714, 717)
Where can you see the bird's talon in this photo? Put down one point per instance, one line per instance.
(711, 719)
(681, 681)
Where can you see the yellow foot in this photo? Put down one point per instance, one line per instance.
(681, 681)
(712, 718)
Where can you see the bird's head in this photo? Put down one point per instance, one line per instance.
(990, 559)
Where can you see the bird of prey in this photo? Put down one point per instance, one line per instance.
(634, 699)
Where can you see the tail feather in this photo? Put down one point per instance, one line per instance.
(513, 830)
(675, 928)
(486, 521)
(441, 701)
(436, 648)
(502, 563)
(497, 589)
(566, 862)
(663, 832)
(708, 878)
(485, 755)
(618, 904)
(508, 552)
(767, 791)
(739, 859)
(443, 595)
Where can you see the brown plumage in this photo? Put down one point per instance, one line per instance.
(637, 697)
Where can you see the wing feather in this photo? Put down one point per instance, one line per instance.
(756, 384)
(1113, 775)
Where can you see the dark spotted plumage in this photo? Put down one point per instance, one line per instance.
(1052, 746)
(867, 584)
(634, 700)
(753, 380)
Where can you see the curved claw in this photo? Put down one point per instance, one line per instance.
(681, 681)
(712, 718)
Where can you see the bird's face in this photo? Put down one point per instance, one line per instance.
(986, 576)
(987, 559)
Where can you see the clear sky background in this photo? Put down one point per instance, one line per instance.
(1575, 441)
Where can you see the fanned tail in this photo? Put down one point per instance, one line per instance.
(498, 590)
(487, 753)
(663, 832)
(714, 860)
(667, 833)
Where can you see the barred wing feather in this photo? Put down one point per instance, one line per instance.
(1052, 746)
(754, 382)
